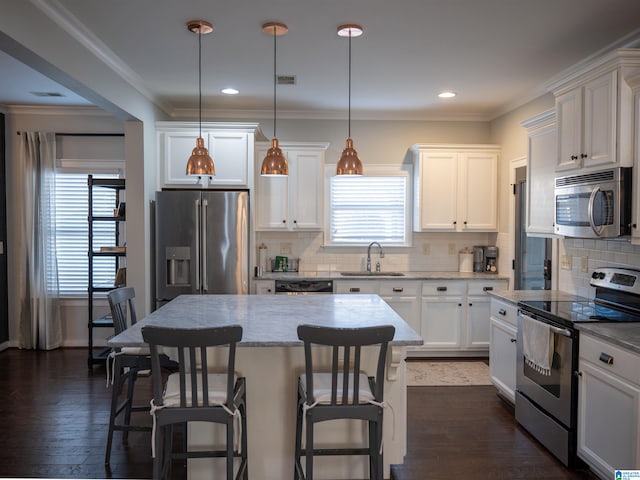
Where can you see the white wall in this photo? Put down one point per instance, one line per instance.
(377, 142)
(508, 132)
(69, 120)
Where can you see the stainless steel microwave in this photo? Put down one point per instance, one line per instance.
(594, 205)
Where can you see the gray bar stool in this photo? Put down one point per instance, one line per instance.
(220, 397)
(343, 393)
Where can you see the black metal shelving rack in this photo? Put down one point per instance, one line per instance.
(105, 321)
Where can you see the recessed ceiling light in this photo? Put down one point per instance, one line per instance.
(447, 94)
(230, 91)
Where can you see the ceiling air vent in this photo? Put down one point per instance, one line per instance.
(286, 79)
(46, 94)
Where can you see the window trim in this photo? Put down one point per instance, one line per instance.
(379, 170)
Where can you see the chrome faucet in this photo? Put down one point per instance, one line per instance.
(369, 256)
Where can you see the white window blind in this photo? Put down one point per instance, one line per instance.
(72, 232)
(368, 208)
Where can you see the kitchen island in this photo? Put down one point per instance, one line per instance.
(271, 357)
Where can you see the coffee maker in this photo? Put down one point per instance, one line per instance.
(491, 259)
(478, 259)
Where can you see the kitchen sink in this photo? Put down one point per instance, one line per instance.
(372, 274)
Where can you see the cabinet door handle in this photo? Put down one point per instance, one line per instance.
(606, 358)
(441, 289)
(574, 157)
(284, 221)
(583, 155)
(487, 289)
(454, 222)
(471, 304)
(502, 312)
(295, 221)
(398, 289)
(513, 340)
(354, 289)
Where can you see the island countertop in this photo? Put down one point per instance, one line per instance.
(272, 320)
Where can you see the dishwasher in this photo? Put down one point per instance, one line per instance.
(303, 287)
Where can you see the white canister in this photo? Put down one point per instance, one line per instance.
(262, 256)
(465, 261)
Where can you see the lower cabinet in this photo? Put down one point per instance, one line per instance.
(502, 349)
(442, 314)
(264, 287)
(608, 407)
(401, 295)
(455, 315)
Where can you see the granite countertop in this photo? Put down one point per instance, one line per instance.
(624, 335)
(515, 296)
(272, 320)
(405, 276)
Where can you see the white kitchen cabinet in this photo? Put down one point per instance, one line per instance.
(587, 123)
(502, 349)
(404, 297)
(442, 314)
(455, 315)
(542, 160)
(635, 190)
(230, 145)
(264, 287)
(356, 286)
(293, 202)
(608, 406)
(455, 187)
(401, 295)
(594, 110)
(478, 305)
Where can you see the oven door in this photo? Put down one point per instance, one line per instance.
(553, 393)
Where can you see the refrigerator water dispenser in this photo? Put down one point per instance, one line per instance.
(178, 265)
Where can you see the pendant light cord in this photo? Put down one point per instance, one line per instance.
(275, 80)
(200, 82)
(349, 127)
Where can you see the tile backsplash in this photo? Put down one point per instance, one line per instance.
(429, 252)
(578, 259)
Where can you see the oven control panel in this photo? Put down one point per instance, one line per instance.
(623, 279)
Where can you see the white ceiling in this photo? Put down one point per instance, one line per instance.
(496, 54)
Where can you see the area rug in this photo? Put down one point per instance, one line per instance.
(446, 373)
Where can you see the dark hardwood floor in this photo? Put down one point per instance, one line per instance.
(55, 415)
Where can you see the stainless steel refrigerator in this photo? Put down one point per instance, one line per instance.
(202, 243)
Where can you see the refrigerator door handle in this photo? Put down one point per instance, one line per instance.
(197, 253)
(203, 211)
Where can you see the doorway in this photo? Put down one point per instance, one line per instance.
(532, 263)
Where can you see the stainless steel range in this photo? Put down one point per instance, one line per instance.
(547, 356)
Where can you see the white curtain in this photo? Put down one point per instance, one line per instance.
(40, 323)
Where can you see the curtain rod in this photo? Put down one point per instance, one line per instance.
(87, 134)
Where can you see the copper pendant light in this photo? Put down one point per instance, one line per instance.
(200, 163)
(274, 163)
(349, 163)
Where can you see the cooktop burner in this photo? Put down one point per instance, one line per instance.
(578, 311)
(617, 299)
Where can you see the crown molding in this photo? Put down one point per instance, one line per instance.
(76, 29)
(57, 110)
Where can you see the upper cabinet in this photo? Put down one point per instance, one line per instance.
(293, 202)
(230, 145)
(455, 188)
(542, 157)
(594, 110)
